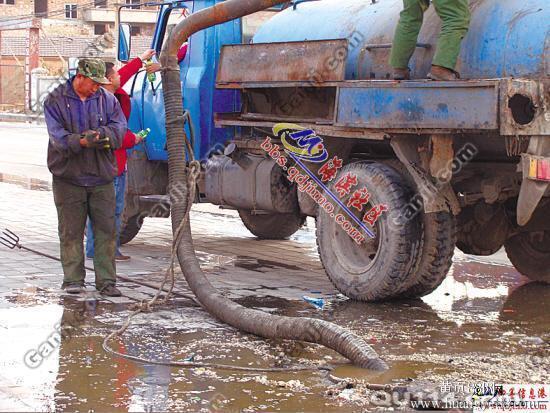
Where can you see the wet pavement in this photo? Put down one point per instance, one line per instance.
(485, 323)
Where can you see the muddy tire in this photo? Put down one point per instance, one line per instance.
(438, 247)
(483, 229)
(437, 254)
(272, 226)
(130, 228)
(530, 254)
(379, 268)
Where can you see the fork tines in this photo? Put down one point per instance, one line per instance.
(9, 239)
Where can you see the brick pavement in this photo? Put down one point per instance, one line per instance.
(233, 259)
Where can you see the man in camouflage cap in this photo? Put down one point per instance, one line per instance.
(93, 69)
(85, 124)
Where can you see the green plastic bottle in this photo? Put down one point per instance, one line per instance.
(150, 76)
(143, 133)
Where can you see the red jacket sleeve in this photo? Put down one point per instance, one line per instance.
(129, 140)
(129, 70)
(182, 52)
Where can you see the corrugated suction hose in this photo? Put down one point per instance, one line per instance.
(251, 321)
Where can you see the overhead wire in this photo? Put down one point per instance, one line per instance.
(55, 12)
(9, 22)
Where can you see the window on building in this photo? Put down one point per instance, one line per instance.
(7, 2)
(70, 11)
(135, 2)
(135, 30)
(100, 3)
(40, 8)
(99, 29)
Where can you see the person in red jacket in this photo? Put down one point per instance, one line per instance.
(182, 52)
(118, 79)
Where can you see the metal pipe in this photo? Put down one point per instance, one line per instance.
(219, 13)
(373, 46)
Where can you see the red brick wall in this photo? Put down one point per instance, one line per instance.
(57, 25)
(19, 8)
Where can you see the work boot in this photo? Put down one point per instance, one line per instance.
(122, 257)
(110, 291)
(401, 74)
(442, 73)
(74, 288)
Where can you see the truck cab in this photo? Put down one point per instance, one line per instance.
(147, 163)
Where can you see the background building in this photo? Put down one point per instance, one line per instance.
(47, 33)
(77, 17)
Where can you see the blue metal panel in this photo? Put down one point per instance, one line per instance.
(198, 72)
(419, 105)
(359, 21)
(506, 37)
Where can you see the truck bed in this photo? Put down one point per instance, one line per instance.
(370, 109)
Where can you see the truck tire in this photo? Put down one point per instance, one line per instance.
(437, 254)
(379, 268)
(483, 229)
(130, 228)
(438, 247)
(273, 225)
(531, 257)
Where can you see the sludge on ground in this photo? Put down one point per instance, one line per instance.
(484, 323)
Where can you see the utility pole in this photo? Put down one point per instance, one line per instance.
(117, 25)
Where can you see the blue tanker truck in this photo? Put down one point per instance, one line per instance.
(298, 117)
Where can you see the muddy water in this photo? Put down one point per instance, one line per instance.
(482, 324)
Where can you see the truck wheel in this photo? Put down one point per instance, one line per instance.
(437, 248)
(483, 228)
(437, 254)
(130, 228)
(530, 254)
(273, 225)
(380, 267)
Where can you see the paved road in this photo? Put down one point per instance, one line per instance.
(479, 325)
(23, 150)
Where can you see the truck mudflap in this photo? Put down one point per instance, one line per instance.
(535, 166)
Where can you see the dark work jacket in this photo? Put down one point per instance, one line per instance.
(67, 116)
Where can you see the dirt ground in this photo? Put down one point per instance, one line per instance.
(485, 323)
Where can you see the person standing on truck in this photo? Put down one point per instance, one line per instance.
(117, 80)
(455, 17)
(85, 125)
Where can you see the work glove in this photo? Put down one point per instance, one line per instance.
(95, 140)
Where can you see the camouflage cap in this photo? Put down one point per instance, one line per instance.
(94, 69)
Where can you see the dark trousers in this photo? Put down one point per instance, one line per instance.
(74, 203)
(120, 192)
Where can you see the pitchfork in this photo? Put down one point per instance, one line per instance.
(11, 240)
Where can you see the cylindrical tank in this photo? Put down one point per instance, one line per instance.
(507, 38)
(243, 186)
